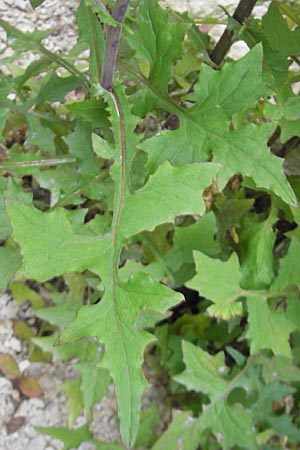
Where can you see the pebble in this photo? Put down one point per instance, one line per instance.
(37, 443)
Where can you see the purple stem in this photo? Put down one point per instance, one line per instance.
(242, 11)
(112, 44)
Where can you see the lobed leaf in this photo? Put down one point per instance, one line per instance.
(218, 281)
(231, 423)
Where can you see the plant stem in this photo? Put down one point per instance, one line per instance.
(242, 11)
(112, 44)
(37, 163)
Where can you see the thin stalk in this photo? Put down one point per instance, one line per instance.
(62, 62)
(19, 109)
(243, 10)
(112, 44)
(37, 163)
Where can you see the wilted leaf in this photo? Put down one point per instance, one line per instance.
(22, 331)
(9, 367)
(159, 44)
(30, 387)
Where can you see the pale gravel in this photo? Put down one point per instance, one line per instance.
(50, 409)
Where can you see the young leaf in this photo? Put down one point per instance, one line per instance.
(94, 384)
(218, 281)
(74, 399)
(71, 438)
(159, 43)
(91, 33)
(232, 423)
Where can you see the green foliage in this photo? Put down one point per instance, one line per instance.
(162, 222)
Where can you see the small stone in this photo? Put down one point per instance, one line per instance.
(15, 344)
(15, 394)
(23, 365)
(15, 424)
(87, 446)
(38, 443)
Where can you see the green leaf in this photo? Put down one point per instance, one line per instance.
(36, 3)
(283, 424)
(204, 372)
(288, 275)
(10, 189)
(94, 384)
(74, 399)
(71, 438)
(92, 110)
(21, 293)
(91, 33)
(267, 328)
(5, 227)
(80, 145)
(57, 87)
(49, 245)
(149, 420)
(204, 128)
(159, 43)
(218, 94)
(231, 423)
(21, 41)
(218, 281)
(40, 136)
(198, 236)
(10, 261)
(117, 327)
(160, 190)
(279, 368)
(182, 433)
(279, 42)
(229, 213)
(256, 242)
(280, 37)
